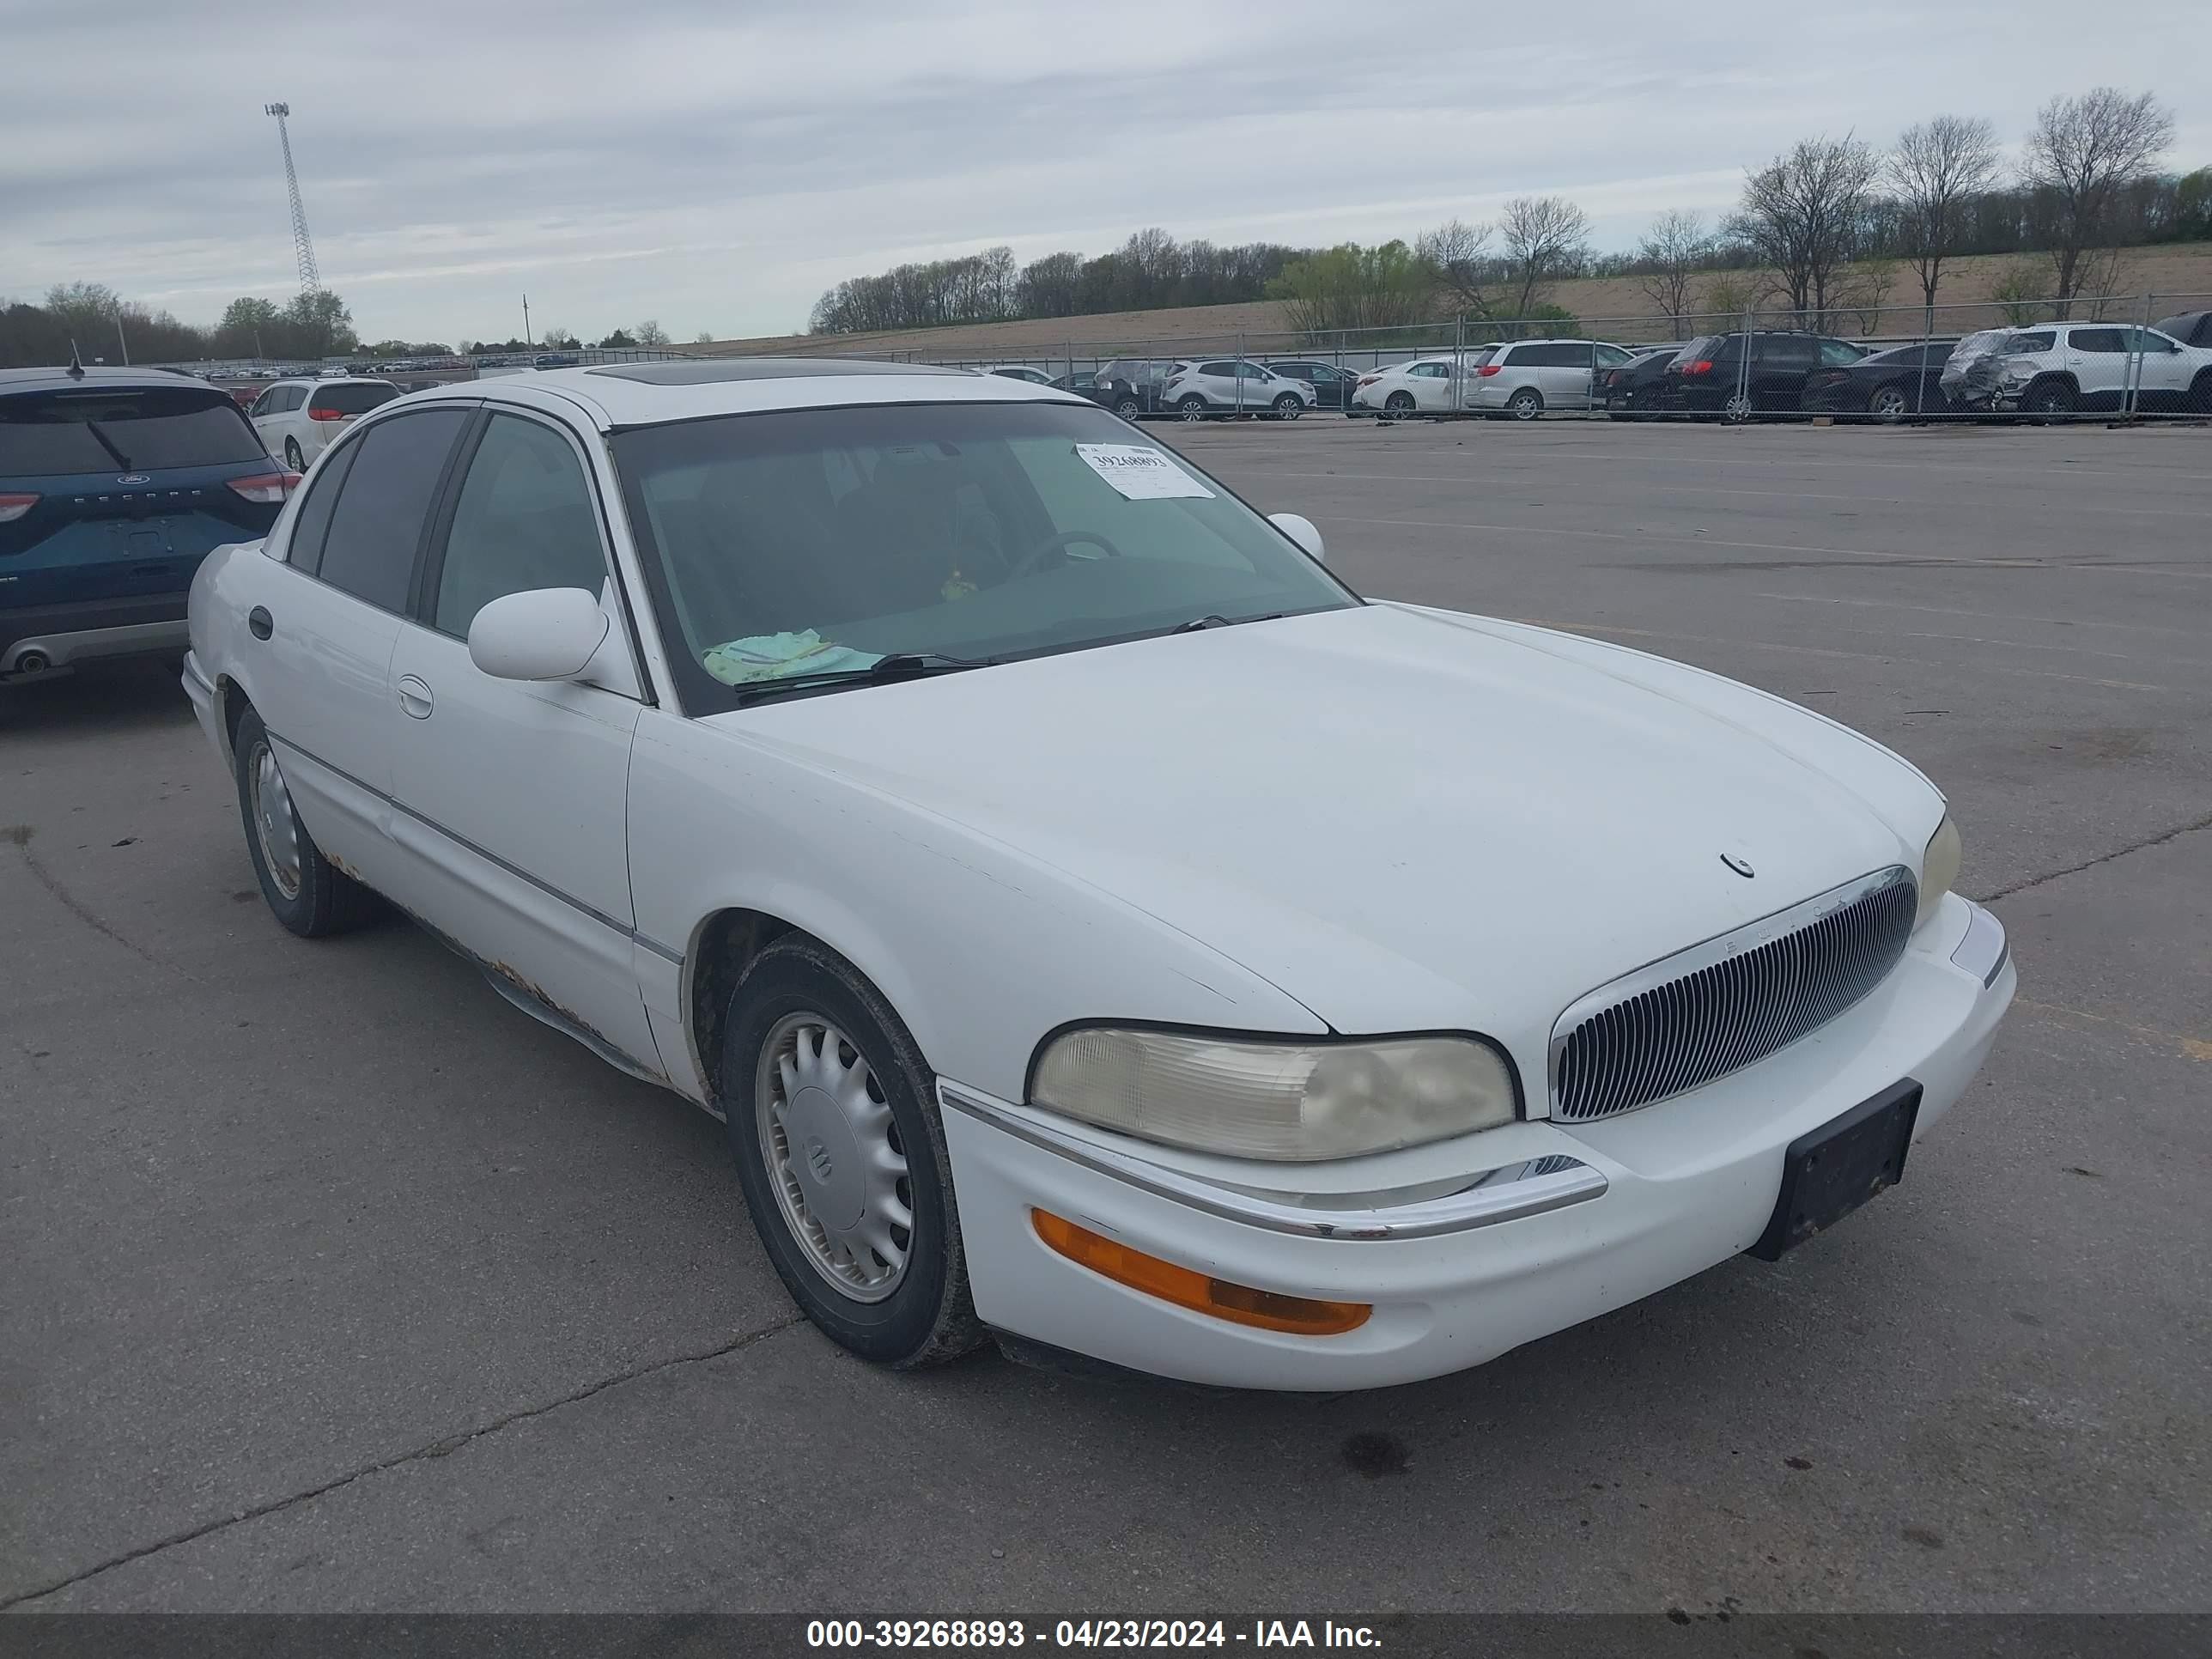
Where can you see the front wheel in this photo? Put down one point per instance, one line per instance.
(834, 1123)
(304, 891)
(1191, 408)
(1290, 406)
(2200, 394)
(1889, 405)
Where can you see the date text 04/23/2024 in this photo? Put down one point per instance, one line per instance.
(939, 1633)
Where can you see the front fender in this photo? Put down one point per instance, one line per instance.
(982, 948)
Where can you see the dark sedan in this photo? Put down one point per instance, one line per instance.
(2192, 328)
(1630, 393)
(1888, 386)
(1332, 386)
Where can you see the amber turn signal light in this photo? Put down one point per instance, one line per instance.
(1239, 1304)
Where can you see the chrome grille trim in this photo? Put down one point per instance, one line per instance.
(1685, 1020)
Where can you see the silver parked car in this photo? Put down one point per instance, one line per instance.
(1231, 386)
(1526, 378)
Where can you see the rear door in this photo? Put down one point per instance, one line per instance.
(2100, 359)
(324, 623)
(512, 795)
(1780, 369)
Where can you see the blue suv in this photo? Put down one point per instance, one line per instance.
(114, 485)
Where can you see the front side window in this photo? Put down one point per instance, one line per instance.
(398, 463)
(525, 519)
(809, 540)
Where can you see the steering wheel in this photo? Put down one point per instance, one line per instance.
(1065, 539)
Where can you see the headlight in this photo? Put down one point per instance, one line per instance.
(1288, 1101)
(1938, 868)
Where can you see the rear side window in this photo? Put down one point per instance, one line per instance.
(2099, 339)
(1788, 351)
(370, 550)
(354, 398)
(1216, 368)
(2042, 340)
(131, 429)
(305, 550)
(1839, 354)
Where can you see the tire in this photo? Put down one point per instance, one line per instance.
(1398, 406)
(1889, 404)
(1525, 404)
(795, 999)
(2200, 394)
(304, 892)
(293, 458)
(1737, 411)
(1290, 406)
(1129, 408)
(1191, 408)
(2048, 397)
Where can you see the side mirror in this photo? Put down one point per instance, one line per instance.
(544, 633)
(1300, 529)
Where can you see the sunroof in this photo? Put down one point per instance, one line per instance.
(709, 371)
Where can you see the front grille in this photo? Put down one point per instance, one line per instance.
(1719, 1007)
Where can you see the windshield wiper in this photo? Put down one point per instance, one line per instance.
(1198, 624)
(899, 666)
(108, 444)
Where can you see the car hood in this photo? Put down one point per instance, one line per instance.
(1404, 819)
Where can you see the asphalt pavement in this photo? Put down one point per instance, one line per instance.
(330, 1281)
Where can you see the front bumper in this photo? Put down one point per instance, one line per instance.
(1574, 1220)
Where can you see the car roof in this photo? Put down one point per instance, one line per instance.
(60, 378)
(615, 395)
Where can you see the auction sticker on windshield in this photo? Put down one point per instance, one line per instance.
(1139, 473)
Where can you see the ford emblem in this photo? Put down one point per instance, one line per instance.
(135, 478)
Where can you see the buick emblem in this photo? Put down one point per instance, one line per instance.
(1742, 867)
(817, 1156)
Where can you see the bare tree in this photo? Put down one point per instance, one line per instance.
(650, 333)
(1465, 267)
(1676, 248)
(1546, 237)
(1937, 168)
(2086, 151)
(1801, 215)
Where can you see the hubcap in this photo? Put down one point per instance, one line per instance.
(1739, 409)
(834, 1157)
(1889, 405)
(273, 826)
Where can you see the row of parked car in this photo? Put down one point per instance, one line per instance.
(2050, 369)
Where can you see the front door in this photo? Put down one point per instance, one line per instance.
(511, 795)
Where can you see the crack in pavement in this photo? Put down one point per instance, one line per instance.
(19, 836)
(2159, 840)
(445, 1446)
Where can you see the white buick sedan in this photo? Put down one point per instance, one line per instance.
(1097, 925)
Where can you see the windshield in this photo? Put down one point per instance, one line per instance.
(823, 539)
(354, 397)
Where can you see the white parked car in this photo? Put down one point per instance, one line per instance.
(1525, 378)
(1421, 385)
(1095, 923)
(297, 419)
(1199, 390)
(2058, 368)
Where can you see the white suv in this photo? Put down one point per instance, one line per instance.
(1526, 377)
(297, 419)
(1228, 386)
(2059, 368)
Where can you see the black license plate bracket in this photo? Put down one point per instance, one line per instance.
(1830, 1171)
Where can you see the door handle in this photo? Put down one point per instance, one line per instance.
(415, 697)
(259, 623)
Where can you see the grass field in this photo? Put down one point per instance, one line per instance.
(1614, 307)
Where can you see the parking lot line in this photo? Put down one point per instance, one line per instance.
(1985, 616)
(1850, 656)
(2190, 1048)
(1645, 539)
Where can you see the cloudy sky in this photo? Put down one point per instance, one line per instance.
(714, 164)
